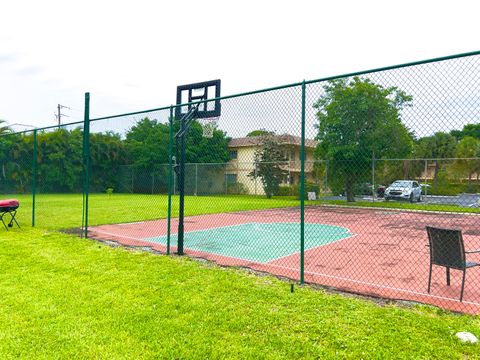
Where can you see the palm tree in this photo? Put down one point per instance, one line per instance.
(3, 128)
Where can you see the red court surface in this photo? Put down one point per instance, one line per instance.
(387, 257)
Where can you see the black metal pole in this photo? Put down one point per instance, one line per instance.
(181, 188)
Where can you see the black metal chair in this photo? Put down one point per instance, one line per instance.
(447, 249)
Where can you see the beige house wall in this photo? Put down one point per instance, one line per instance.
(244, 165)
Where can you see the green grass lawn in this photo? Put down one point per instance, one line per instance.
(402, 205)
(58, 211)
(64, 297)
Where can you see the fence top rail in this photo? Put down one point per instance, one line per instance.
(40, 129)
(357, 73)
(297, 84)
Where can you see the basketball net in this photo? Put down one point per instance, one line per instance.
(208, 126)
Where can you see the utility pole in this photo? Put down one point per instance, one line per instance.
(59, 114)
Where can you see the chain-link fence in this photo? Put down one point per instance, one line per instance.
(331, 181)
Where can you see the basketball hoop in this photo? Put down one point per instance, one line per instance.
(208, 126)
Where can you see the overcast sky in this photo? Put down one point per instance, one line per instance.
(131, 55)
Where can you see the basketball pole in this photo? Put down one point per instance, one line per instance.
(185, 122)
(181, 185)
(194, 102)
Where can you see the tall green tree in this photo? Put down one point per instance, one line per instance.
(472, 130)
(359, 120)
(13, 176)
(3, 127)
(200, 149)
(147, 143)
(59, 159)
(260, 132)
(107, 155)
(268, 161)
(436, 147)
(467, 153)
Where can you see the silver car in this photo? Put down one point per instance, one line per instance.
(404, 190)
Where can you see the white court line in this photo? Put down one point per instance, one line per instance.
(132, 223)
(318, 246)
(375, 285)
(120, 236)
(326, 275)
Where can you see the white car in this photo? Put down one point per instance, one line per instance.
(404, 190)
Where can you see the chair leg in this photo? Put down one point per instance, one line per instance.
(463, 284)
(13, 219)
(430, 277)
(448, 276)
(3, 221)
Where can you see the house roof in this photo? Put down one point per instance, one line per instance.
(284, 139)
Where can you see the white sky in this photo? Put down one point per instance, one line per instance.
(131, 55)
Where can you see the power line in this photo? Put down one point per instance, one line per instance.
(59, 114)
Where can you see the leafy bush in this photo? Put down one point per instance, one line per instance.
(453, 189)
(286, 190)
(236, 188)
(309, 187)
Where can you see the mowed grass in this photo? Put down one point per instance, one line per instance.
(65, 297)
(60, 211)
(403, 205)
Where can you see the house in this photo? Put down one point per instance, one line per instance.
(242, 160)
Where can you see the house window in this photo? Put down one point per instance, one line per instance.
(233, 154)
(231, 178)
(292, 154)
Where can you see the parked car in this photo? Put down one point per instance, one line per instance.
(404, 190)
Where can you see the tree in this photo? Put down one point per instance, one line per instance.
(472, 130)
(6, 143)
(261, 132)
(59, 159)
(467, 152)
(268, 162)
(107, 154)
(200, 149)
(439, 146)
(359, 120)
(147, 146)
(12, 171)
(4, 128)
(147, 143)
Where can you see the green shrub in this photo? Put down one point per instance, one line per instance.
(237, 188)
(286, 190)
(452, 189)
(309, 187)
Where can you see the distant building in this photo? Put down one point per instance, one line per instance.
(242, 160)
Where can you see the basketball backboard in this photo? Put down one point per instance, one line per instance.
(207, 90)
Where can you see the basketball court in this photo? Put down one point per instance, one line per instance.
(375, 252)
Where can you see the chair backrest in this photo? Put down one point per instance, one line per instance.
(446, 247)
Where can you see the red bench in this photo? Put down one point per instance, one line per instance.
(10, 207)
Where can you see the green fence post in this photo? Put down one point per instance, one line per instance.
(86, 159)
(302, 191)
(34, 175)
(170, 180)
